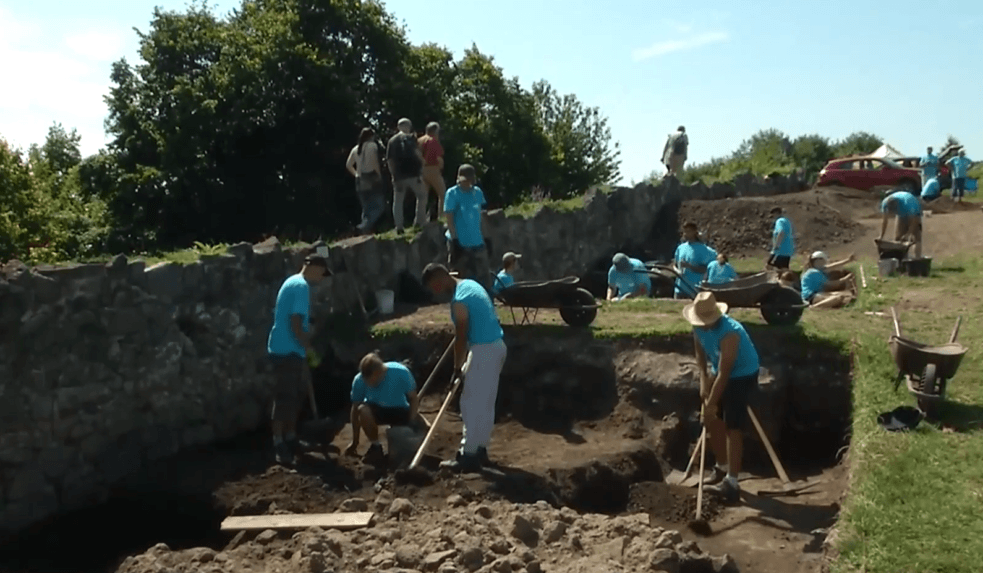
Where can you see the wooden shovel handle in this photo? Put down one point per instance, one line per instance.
(433, 426)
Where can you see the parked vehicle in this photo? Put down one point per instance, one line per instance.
(865, 173)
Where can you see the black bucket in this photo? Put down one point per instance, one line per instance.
(917, 267)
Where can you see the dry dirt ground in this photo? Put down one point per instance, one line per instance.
(490, 522)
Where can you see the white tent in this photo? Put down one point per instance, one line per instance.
(888, 151)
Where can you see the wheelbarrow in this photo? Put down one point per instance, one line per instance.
(892, 249)
(779, 305)
(928, 369)
(577, 305)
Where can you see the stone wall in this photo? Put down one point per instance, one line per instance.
(104, 367)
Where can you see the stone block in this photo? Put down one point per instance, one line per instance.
(165, 280)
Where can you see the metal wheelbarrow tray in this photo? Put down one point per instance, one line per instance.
(577, 305)
(928, 369)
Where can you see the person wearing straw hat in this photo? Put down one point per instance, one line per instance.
(723, 342)
(506, 277)
(288, 345)
(467, 249)
(627, 278)
(479, 355)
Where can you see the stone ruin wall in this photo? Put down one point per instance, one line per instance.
(105, 367)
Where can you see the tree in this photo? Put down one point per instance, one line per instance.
(858, 143)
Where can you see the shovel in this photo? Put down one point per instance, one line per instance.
(677, 477)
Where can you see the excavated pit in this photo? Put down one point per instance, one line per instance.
(595, 426)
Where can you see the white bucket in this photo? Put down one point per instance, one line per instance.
(385, 299)
(887, 267)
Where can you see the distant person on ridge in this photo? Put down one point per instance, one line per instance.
(627, 278)
(930, 166)
(960, 168)
(691, 260)
(675, 152)
(782, 241)
(720, 272)
(907, 210)
(406, 166)
(433, 165)
(467, 249)
(363, 163)
(506, 277)
(289, 348)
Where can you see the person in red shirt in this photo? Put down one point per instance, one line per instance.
(433, 164)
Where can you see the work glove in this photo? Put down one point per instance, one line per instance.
(488, 246)
(313, 360)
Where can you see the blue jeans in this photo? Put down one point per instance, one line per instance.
(958, 187)
(372, 197)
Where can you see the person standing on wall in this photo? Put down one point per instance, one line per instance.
(479, 355)
(468, 251)
(406, 166)
(930, 166)
(433, 165)
(363, 163)
(691, 260)
(782, 241)
(675, 152)
(723, 342)
(289, 348)
(960, 168)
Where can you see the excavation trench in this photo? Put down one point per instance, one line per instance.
(591, 425)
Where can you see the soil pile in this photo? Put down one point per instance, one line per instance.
(822, 219)
(463, 535)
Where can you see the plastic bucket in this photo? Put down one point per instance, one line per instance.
(887, 267)
(972, 184)
(386, 299)
(917, 267)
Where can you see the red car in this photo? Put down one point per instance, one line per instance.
(865, 173)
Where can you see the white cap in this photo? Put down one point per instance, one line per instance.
(818, 255)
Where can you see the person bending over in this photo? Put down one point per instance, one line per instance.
(723, 342)
(627, 278)
(820, 292)
(908, 223)
(383, 394)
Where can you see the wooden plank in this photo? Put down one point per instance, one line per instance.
(343, 521)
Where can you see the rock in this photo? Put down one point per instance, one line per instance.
(612, 550)
(354, 504)
(433, 561)
(401, 506)
(724, 564)
(505, 564)
(668, 539)
(383, 500)
(554, 531)
(383, 560)
(500, 546)
(408, 556)
(266, 537)
(455, 500)
(336, 542)
(472, 558)
(665, 560)
(524, 531)
(568, 515)
(689, 547)
(485, 511)
(202, 555)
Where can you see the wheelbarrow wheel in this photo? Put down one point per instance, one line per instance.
(930, 381)
(782, 307)
(579, 316)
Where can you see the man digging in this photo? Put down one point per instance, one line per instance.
(907, 210)
(725, 344)
(383, 393)
(288, 344)
(479, 355)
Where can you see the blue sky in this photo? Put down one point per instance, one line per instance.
(830, 67)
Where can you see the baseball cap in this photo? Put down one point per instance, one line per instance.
(319, 258)
(818, 255)
(621, 262)
(465, 171)
(510, 257)
(432, 270)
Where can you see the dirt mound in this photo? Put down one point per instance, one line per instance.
(670, 504)
(482, 537)
(823, 219)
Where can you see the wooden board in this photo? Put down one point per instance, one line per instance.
(343, 521)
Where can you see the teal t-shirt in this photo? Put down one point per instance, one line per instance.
(930, 166)
(466, 207)
(503, 280)
(813, 281)
(627, 283)
(905, 204)
(390, 392)
(483, 325)
(720, 273)
(960, 166)
(787, 247)
(293, 298)
(746, 363)
(697, 254)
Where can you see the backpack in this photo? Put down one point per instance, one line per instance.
(679, 145)
(404, 155)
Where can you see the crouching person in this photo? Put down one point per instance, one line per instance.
(383, 394)
(818, 291)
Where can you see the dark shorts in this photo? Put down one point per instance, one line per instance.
(288, 394)
(734, 402)
(779, 261)
(958, 186)
(389, 416)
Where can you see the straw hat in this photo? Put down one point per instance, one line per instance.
(704, 310)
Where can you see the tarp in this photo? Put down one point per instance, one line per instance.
(888, 151)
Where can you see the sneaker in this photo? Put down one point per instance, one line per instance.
(284, 456)
(374, 454)
(728, 490)
(483, 456)
(717, 475)
(463, 463)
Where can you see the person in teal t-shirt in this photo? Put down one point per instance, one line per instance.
(960, 169)
(479, 355)
(468, 250)
(782, 241)
(383, 393)
(932, 190)
(627, 278)
(691, 259)
(723, 344)
(907, 210)
(930, 166)
(820, 292)
(720, 272)
(288, 346)
(506, 277)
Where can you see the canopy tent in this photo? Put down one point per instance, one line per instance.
(888, 151)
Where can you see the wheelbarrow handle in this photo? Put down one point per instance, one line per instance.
(897, 325)
(955, 330)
